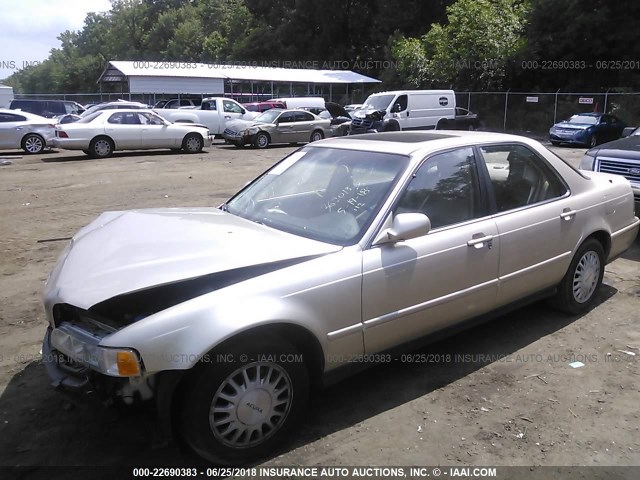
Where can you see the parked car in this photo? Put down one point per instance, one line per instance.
(263, 106)
(67, 118)
(346, 250)
(277, 126)
(46, 108)
(466, 119)
(24, 130)
(101, 133)
(620, 157)
(115, 105)
(588, 129)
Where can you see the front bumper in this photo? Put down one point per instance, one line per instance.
(239, 138)
(578, 138)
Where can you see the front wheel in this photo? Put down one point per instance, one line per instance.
(239, 410)
(577, 290)
(593, 141)
(33, 143)
(442, 125)
(192, 143)
(262, 140)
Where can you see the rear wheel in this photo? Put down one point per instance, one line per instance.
(578, 289)
(316, 135)
(101, 147)
(240, 410)
(192, 143)
(33, 143)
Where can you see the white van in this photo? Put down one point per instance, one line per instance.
(407, 110)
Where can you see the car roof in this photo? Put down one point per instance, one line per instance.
(407, 143)
(589, 114)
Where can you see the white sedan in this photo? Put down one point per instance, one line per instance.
(101, 133)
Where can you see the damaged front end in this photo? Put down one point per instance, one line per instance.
(367, 121)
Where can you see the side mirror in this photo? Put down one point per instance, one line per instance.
(628, 131)
(405, 226)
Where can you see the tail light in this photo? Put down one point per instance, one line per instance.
(61, 134)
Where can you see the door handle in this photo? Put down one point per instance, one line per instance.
(480, 241)
(568, 214)
(18, 128)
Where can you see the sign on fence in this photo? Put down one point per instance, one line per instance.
(532, 99)
(586, 100)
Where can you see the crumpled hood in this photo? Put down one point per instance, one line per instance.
(241, 125)
(122, 252)
(573, 126)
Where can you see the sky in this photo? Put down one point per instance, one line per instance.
(29, 28)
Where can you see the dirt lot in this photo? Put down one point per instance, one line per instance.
(502, 394)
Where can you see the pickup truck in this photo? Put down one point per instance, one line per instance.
(214, 112)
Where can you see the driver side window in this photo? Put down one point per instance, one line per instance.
(445, 188)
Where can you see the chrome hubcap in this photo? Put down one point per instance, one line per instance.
(251, 405)
(316, 137)
(262, 141)
(33, 144)
(103, 147)
(193, 144)
(586, 276)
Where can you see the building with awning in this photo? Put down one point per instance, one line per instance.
(246, 82)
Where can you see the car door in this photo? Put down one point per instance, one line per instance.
(232, 110)
(155, 133)
(284, 131)
(12, 129)
(421, 285)
(304, 123)
(535, 217)
(125, 129)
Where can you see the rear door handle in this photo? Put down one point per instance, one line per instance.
(568, 214)
(480, 241)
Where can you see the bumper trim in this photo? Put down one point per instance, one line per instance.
(62, 375)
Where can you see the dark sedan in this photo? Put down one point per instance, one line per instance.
(466, 119)
(588, 129)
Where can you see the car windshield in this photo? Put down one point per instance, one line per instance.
(325, 194)
(267, 117)
(583, 119)
(91, 117)
(378, 102)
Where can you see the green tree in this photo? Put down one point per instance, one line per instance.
(471, 50)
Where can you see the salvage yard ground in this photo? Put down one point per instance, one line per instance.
(501, 394)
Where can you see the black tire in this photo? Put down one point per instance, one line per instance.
(471, 127)
(442, 125)
(176, 150)
(316, 135)
(262, 140)
(251, 414)
(555, 143)
(33, 143)
(579, 288)
(86, 152)
(392, 126)
(238, 144)
(192, 143)
(593, 141)
(101, 147)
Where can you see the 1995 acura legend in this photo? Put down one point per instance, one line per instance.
(347, 248)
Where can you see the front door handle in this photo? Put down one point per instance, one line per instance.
(568, 214)
(480, 241)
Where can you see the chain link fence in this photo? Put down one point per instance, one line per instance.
(536, 112)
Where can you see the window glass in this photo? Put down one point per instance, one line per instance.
(445, 188)
(231, 107)
(401, 103)
(303, 117)
(519, 177)
(150, 119)
(8, 117)
(286, 118)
